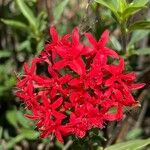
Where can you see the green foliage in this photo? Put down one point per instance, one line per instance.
(59, 10)
(142, 51)
(27, 12)
(130, 145)
(145, 25)
(137, 36)
(24, 28)
(15, 24)
(134, 134)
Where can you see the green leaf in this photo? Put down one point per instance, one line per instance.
(142, 51)
(122, 5)
(139, 3)
(25, 45)
(29, 134)
(15, 24)
(14, 141)
(115, 43)
(145, 25)
(11, 117)
(22, 120)
(130, 145)
(1, 132)
(137, 36)
(133, 134)
(4, 54)
(130, 11)
(110, 4)
(59, 10)
(27, 12)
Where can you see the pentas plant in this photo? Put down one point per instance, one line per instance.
(78, 88)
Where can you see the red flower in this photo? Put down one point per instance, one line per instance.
(71, 56)
(78, 88)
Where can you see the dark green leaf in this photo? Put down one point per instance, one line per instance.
(130, 145)
(144, 25)
(1, 132)
(59, 10)
(15, 24)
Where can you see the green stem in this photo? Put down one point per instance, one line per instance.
(124, 36)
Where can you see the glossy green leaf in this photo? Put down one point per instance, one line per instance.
(130, 145)
(27, 12)
(142, 51)
(58, 11)
(29, 134)
(15, 24)
(145, 25)
(137, 36)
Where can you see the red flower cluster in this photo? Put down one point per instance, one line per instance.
(79, 87)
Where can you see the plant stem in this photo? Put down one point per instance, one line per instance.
(124, 36)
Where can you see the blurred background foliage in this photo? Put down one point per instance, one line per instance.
(24, 29)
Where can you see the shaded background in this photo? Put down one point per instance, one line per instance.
(24, 28)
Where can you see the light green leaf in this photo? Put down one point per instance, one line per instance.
(59, 10)
(115, 43)
(145, 25)
(122, 5)
(130, 11)
(133, 134)
(142, 51)
(4, 54)
(27, 12)
(130, 145)
(22, 120)
(40, 46)
(11, 117)
(25, 45)
(110, 5)
(15, 24)
(29, 134)
(14, 141)
(139, 3)
(138, 35)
